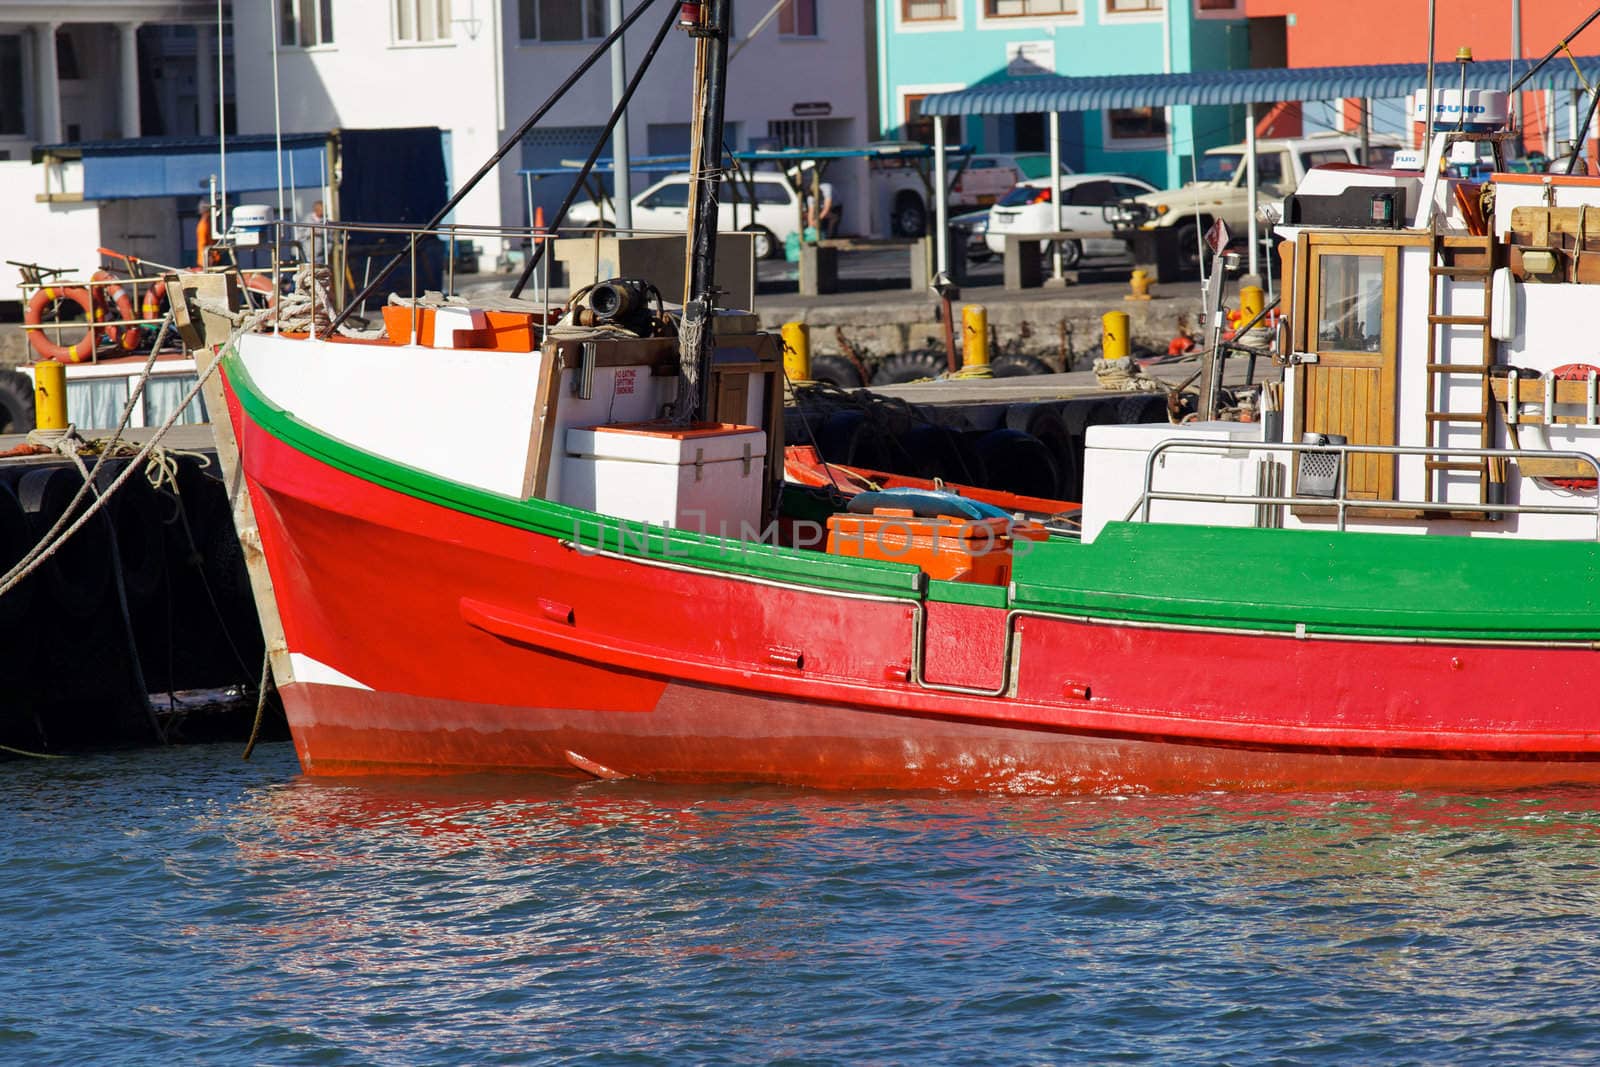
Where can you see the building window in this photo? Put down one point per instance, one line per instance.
(798, 19)
(792, 133)
(11, 118)
(561, 20)
(1137, 123)
(307, 23)
(927, 10)
(421, 20)
(1121, 7)
(919, 127)
(999, 9)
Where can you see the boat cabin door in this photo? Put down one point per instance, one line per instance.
(1348, 311)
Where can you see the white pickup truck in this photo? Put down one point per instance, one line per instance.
(1220, 186)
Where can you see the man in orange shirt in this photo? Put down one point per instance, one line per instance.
(202, 236)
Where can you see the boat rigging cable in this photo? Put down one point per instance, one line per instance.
(506, 146)
(617, 112)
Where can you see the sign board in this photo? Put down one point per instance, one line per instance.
(1030, 57)
(1407, 159)
(1218, 236)
(815, 109)
(1476, 109)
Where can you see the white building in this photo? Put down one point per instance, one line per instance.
(93, 70)
(477, 68)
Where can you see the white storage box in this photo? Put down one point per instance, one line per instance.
(706, 477)
(1114, 467)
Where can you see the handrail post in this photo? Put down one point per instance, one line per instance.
(414, 311)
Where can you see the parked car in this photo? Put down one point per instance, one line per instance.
(1031, 208)
(1220, 188)
(903, 196)
(664, 207)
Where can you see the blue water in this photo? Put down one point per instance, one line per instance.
(182, 906)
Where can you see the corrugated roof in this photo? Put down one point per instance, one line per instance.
(1054, 92)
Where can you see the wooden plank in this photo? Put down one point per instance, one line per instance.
(536, 474)
(1531, 391)
(1554, 468)
(1364, 425)
(1386, 410)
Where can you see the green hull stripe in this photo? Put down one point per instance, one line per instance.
(1395, 585)
(573, 524)
(1358, 584)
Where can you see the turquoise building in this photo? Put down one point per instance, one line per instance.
(933, 46)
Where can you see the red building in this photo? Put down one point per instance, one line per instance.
(1337, 33)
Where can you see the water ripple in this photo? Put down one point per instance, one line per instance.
(185, 905)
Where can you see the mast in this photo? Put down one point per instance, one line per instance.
(707, 23)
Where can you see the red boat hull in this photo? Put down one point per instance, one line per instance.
(438, 641)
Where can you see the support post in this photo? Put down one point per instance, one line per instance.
(128, 67)
(622, 184)
(1056, 271)
(941, 200)
(49, 83)
(205, 76)
(1253, 184)
(698, 332)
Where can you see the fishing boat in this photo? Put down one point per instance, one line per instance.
(593, 566)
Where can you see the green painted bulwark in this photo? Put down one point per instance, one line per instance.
(1357, 584)
(1395, 585)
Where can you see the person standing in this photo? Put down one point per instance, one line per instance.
(203, 236)
(314, 236)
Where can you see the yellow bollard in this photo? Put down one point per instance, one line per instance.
(797, 351)
(1251, 300)
(974, 336)
(50, 395)
(1114, 335)
(1139, 283)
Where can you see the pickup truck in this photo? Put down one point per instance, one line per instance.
(1220, 189)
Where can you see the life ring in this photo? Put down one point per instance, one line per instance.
(50, 298)
(155, 306)
(1537, 440)
(261, 283)
(124, 337)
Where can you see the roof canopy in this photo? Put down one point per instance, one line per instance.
(183, 166)
(1054, 92)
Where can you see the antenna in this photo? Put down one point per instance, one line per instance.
(277, 115)
(222, 125)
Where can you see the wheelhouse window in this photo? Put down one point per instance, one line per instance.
(928, 10)
(798, 19)
(1137, 123)
(1218, 5)
(421, 20)
(561, 20)
(1350, 304)
(307, 23)
(997, 9)
(1123, 7)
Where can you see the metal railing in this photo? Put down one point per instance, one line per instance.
(330, 236)
(1341, 501)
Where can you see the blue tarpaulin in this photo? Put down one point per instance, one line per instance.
(184, 166)
(1027, 94)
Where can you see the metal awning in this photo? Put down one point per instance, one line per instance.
(183, 166)
(1054, 92)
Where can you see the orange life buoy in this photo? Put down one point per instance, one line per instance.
(155, 306)
(50, 298)
(125, 337)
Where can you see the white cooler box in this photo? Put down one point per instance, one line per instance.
(706, 476)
